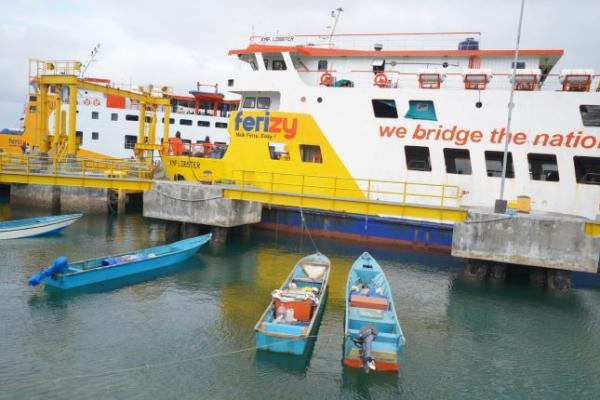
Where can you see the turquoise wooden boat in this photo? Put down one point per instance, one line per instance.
(291, 320)
(63, 275)
(30, 227)
(373, 338)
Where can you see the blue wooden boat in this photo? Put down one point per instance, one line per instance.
(373, 338)
(291, 320)
(29, 227)
(63, 275)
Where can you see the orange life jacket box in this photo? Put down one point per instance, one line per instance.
(377, 303)
(302, 309)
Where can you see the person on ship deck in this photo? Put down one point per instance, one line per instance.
(176, 144)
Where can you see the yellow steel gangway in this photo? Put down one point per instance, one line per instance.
(50, 78)
(129, 175)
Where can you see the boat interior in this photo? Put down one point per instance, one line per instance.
(369, 301)
(295, 304)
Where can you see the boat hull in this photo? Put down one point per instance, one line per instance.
(367, 309)
(93, 276)
(38, 227)
(291, 345)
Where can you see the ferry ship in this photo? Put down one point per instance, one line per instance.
(107, 124)
(423, 125)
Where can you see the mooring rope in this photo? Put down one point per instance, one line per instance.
(308, 230)
(158, 364)
(189, 200)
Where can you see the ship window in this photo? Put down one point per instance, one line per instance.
(95, 135)
(249, 102)
(311, 153)
(263, 102)
(114, 117)
(322, 65)
(278, 65)
(130, 117)
(458, 161)
(203, 123)
(421, 109)
(148, 119)
(278, 151)
(95, 115)
(32, 109)
(383, 108)
(587, 170)
(266, 63)
(519, 65)
(79, 137)
(171, 121)
(493, 163)
(543, 167)
(590, 115)
(417, 158)
(32, 98)
(130, 141)
(187, 122)
(220, 124)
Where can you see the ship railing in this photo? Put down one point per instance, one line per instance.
(410, 80)
(368, 41)
(370, 190)
(74, 166)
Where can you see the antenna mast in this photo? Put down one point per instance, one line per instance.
(334, 14)
(92, 56)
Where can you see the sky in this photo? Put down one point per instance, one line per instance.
(179, 43)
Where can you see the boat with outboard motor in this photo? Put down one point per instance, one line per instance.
(63, 275)
(373, 336)
(292, 317)
(29, 227)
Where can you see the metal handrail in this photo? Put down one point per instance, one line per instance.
(344, 187)
(49, 165)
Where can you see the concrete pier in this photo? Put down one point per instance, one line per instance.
(63, 198)
(198, 204)
(541, 240)
(553, 244)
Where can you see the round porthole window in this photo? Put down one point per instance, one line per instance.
(319, 99)
(303, 99)
(479, 104)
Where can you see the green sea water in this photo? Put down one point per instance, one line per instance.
(187, 332)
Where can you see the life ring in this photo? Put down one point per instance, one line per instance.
(96, 102)
(87, 101)
(326, 79)
(381, 79)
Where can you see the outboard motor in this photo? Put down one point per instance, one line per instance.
(60, 265)
(363, 342)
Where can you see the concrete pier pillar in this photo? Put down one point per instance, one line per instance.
(559, 280)
(537, 277)
(38, 196)
(476, 269)
(497, 271)
(87, 200)
(189, 230)
(121, 201)
(172, 231)
(219, 234)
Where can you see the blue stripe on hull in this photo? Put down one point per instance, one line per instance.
(106, 274)
(420, 233)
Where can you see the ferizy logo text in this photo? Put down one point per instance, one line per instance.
(267, 123)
